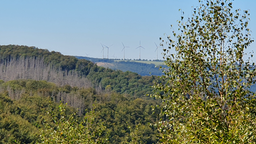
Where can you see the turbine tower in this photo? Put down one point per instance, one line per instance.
(102, 50)
(108, 50)
(156, 51)
(124, 49)
(139, 47)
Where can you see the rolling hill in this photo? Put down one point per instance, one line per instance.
(23, 62)
(36, 83)
(142, 67)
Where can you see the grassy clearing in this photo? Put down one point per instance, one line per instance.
(156, 63)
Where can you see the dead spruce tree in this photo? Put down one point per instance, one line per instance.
(35, 68)
(205, 92)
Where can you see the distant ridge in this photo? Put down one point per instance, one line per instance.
(142, 67)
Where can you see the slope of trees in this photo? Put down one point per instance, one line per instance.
(32, 111)
(22, 62)
(35, 68)
(21, 120)
(37, 81)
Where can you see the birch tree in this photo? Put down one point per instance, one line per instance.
(205, 92)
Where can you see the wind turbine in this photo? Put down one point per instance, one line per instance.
(108, 50)
(102, 50)
(139, 47)
(124, 49)
(156, 51)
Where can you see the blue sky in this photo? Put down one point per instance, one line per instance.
(79, 27)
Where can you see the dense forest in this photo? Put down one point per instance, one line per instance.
(37, 84)
(40, 64)
(25, 106)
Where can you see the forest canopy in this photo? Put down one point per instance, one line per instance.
(13, 56)
(29, 109)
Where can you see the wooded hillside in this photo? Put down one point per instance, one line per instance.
(28, 107)
(37, 86)
(22, 62)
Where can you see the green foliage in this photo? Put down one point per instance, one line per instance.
(124, 119)
(14, 129)
(71, 131)
(121, 82)
(106, 117)
(21, 120)
(16, 52)
(29, 85)
(205, 93)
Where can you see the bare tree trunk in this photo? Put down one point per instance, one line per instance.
(34, 68)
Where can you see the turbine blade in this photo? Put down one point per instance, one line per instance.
(156, 45)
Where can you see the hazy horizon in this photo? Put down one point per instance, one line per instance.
(78, 28)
